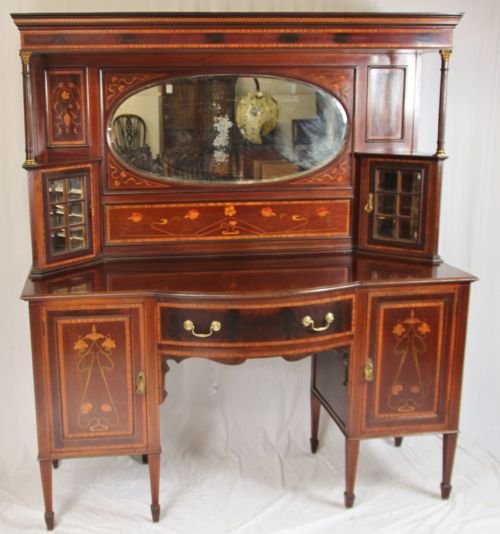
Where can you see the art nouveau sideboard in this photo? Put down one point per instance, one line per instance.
(231, 187)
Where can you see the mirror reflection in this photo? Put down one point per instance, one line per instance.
(228, 128)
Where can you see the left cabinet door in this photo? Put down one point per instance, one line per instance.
(64, 215)
(95, 379)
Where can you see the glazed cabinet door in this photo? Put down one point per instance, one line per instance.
(412, 355)
(96, 379)
(398, 205)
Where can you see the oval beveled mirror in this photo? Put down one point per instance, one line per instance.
(228, 128)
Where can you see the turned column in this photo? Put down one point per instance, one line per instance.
(445, 59)
(28, 113)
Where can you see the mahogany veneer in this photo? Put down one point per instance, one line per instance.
(337, 262)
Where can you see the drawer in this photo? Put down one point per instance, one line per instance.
(255, 324)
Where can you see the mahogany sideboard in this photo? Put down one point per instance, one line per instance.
(235, 186)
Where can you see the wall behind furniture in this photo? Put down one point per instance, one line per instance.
(470, 211)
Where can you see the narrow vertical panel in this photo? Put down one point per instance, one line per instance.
(385, 104)
(66, 107)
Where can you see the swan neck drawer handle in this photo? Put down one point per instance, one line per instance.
(215, 326)
(308, 321)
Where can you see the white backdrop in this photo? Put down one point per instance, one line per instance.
(236, 439)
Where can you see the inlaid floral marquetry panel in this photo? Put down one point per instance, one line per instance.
(96, 361)
(153, 223)
(410, 361)
(66, 107)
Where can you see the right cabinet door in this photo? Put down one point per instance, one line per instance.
(412, 361)
(398, 205)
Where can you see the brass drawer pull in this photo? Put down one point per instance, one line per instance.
(140, 384)
(215, 326)
(368, 370)
(369, 203)
(308, 321)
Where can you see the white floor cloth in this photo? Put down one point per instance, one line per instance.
(236, 460)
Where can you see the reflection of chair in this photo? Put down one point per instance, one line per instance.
(130, 132)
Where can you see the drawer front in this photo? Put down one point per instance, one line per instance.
(223, 221)
(218, 325)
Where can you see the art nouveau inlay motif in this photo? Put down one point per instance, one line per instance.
(408, 389)
(98, 411)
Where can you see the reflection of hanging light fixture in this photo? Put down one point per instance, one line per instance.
(257, 114)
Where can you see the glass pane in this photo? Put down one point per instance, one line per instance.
(385, 227)
(408, 229)
(67, 217)
(58, 240)
(56, 190)
(228, 128)
(75, 188)
(387, 180)
(77, 238)
(57, 217)
(409, 205)
(75, 213)
(386, 204)
(411, 182)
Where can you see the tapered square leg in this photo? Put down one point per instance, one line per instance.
(398, 441)
(351, 464)
(315, 409)
(46, 475)
(449, 448)
(154, 478)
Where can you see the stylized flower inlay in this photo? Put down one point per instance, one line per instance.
(397, 389)
(192, 215)
(135, 217)
(267, 212)
(399, 330)
(322, 212)
(80, 344)
(108, 344)
(424, 328)
(86, 407)
(229, 211)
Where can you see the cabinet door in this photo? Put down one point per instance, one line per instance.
(398, 205)
(65, 215)
(409, 361)
(97, 378)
